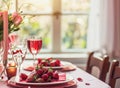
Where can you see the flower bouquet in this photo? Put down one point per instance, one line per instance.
(14, 21)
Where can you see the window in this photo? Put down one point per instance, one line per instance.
(74, 24)
(62, 24)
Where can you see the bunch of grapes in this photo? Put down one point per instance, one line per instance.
(40, 74)
(49, 62)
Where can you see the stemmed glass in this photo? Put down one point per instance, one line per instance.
(18, 54)
(34, 45)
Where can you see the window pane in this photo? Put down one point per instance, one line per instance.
(35, 5)
(7, 5)
(37, 25)
(74, 31)
(75, 5)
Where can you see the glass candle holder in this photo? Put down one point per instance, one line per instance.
(11, 70)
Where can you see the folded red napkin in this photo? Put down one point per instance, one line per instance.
(69, 68)
(29, 68)
(62, 76)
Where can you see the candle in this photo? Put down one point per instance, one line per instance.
(12, 64)
(5, 34)
(11, 71)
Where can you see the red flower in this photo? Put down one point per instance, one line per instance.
(14, 21)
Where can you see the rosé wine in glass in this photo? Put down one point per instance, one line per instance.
(34, 45)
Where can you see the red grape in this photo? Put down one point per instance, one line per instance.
(55, 75)
(23, 76)
(45, 77)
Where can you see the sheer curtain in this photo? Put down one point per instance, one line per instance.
(105, 33)
(93, 27)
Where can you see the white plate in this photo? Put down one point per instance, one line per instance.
(68, 78)
(55, 68)
(63, 64)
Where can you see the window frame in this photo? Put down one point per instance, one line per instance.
(56, 19)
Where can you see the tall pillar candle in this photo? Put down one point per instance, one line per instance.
(5, 35)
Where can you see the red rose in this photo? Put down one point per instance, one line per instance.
(14, 15)
(16, 18)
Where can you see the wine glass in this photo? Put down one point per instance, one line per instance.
(34, 45)
(24, 52)
(18, 54)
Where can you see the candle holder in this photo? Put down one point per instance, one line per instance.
(11, 70)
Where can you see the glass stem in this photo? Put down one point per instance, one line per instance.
(18, 70)
(18, 67)
(34, 59)
(18, 73)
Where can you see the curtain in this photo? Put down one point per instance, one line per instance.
(116, 43)
(93, 27)
(106, 35)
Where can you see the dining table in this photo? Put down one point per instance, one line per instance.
(81, 78)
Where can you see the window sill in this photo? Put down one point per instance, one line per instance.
(29, 56)
(80, 58)
(67, 55)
